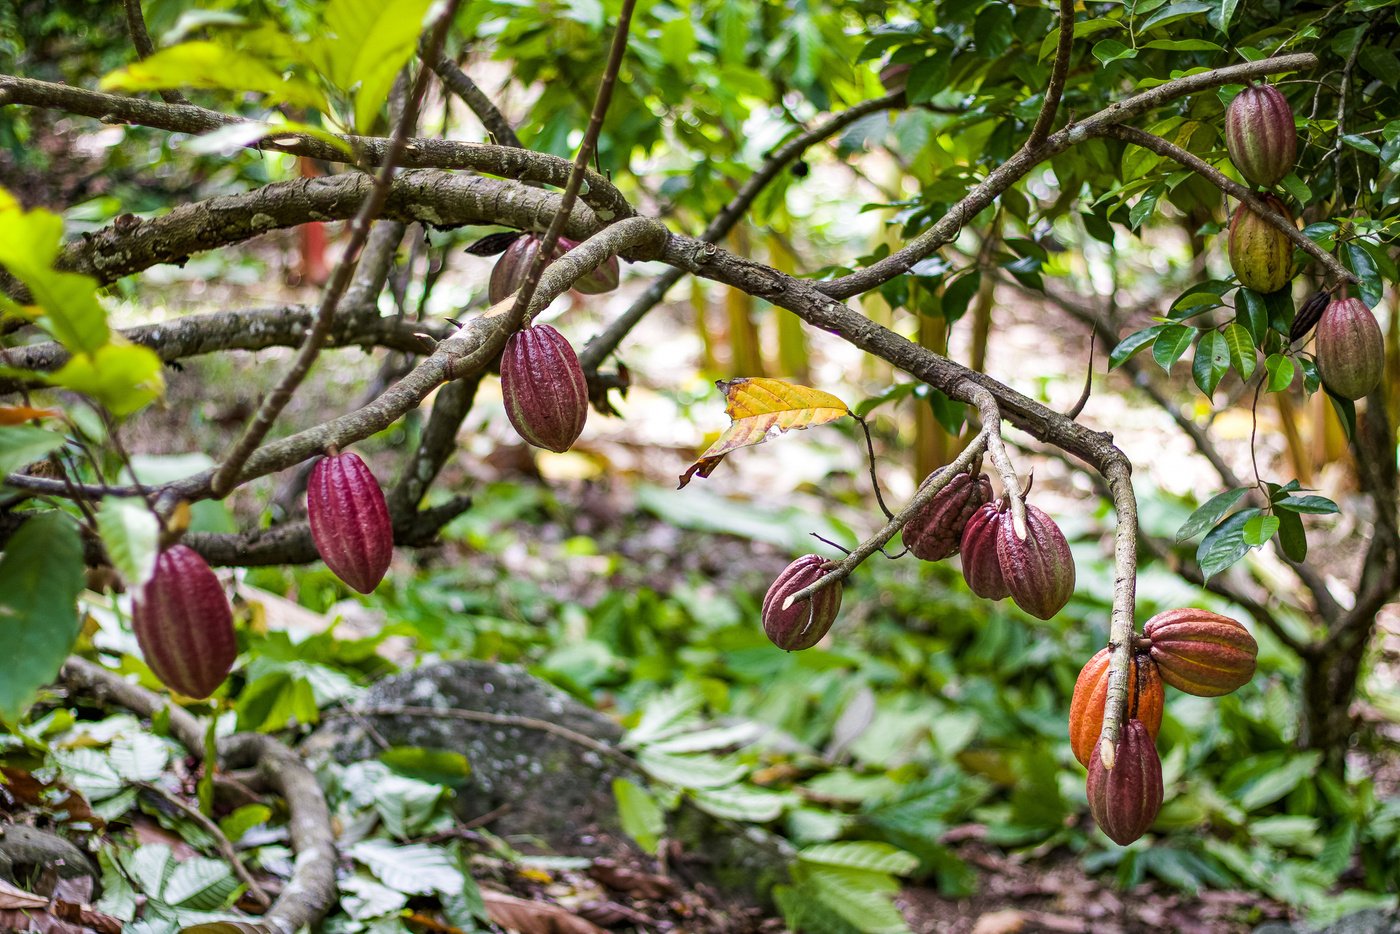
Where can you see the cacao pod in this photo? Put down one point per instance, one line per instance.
(1307, 316)
(1146, 699)
(935, 532)
(1260, 135)
(1350, 348)
(895, 77)
(1039, 570)
(510, 270)
(1260, 253)
(603, 279)
(1125, 801)
(545, 392)
(184, 624)
(350, 520)
(1200, 652)
(803, 624)
(980, 565)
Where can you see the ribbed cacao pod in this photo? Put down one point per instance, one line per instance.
(1307, 316)
(980, 565)
(935, 532)
(1260, 135)
(1146, 699)
(1350, 348)
(350, 520)
(510, 270)
(1200, 652)
(545, 392)
(1260, 253)
(184, 624)
(603, 279)
(803, 624)
(1125, 801)
(1039, 570)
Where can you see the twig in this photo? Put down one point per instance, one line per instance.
(1084, 393)
(930, 488)
(990, 412)
(1058, 72)
(874, 479)
(221, 842)
(275, 401)
(496, 719)
(585, 152)
(145, 48)
(1213, 175)
(459, 83)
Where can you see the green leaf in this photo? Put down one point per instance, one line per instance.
(1297, 189)
(417, 869)
(862, 898)
(1183, 45)
(434, 766)
(139, 757)
(1291, 535)
(130, 535)
(1243, 355)
(1209, 513)
(41, 575)
(743, 803)
(1108, 51)
(209, 66)
(1262, 780)
(1280, 370)
(1227, 13)
(1131, 344)
(1224, 544)
(124, 378)
(1171, 343)
(1252, 312)
(642, 818)
(21, 445)
(1346, 413)
(1311, 504)
(1363, 144)
(1372, 285)
(1212, 362)
(244, 819)
(29, 246)
(862, 854)
(1258, 530)
(369, 42)
(701, 771)
(200, 883)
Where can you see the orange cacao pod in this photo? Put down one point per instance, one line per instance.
(1146, 698)
(1125, 801)
(1200, 652)
(350, 520)
(545, 392)
(184, 624)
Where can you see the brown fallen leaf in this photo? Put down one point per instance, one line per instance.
(527, 917)
(630, 882)
(52, 796)
(17, 898)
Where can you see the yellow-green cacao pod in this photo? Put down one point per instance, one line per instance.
(1260, 253)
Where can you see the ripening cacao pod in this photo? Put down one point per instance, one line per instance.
(935, 532)
(895, 77)
(184, 624)
(803, 624)
(510, 270)
(603, 279)
(1350, 348)
(1039, 570)
(1125, 801)
(1146, 699)
(350, 520)
(980, 565)
(1200, 652)
(545, 392)
(1260, 135)
(1260, 253)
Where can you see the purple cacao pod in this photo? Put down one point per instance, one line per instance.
(184, 624)
(350, 520)
(980, 565)
(1260, 135)
(1350, 348)
(545, 393)
(1039, 570)
(603, 279)
(1260, 253)
(936, 531)
(1125, 801)
(803, 624)
(510, 270)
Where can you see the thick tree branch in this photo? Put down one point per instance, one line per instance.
(598, 349)
(1210, 173)
(1014, 169)
(503, 161)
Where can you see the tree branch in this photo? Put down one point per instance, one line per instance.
(1058, 72)
(504, 161)
(145, 48)
(458, 82)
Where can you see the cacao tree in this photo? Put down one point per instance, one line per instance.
(1027, 146)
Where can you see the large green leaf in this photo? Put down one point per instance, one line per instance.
(1211, 363)
(642, 818)
(25, 444)
(209, 65)
(1243, 355)
(41, 574)
(369, 42)
(124, 378)
(1209, 513)
(130, 534)
(1224, 544)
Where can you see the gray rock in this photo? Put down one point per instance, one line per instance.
(1366, 921)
